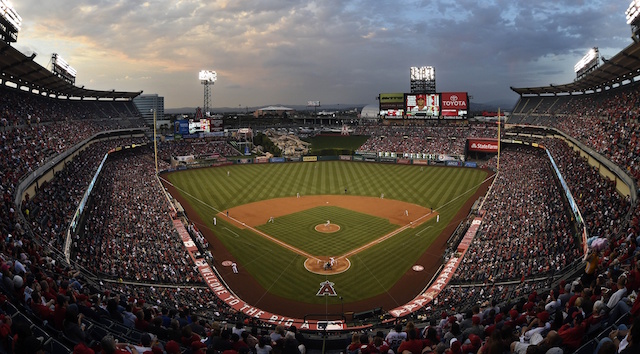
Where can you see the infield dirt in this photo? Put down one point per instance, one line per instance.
(258, 213)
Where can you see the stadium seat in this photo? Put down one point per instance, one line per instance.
(53, 346)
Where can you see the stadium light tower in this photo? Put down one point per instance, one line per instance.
(633, 19)
(10, 22)
(207, 77)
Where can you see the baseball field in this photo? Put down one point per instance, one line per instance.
(381, 227)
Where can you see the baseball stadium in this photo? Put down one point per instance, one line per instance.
(445, 231)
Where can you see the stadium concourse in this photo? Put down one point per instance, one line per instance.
(522, 287)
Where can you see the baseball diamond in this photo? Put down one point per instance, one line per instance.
(277, 239)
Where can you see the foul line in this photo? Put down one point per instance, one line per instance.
(228, 229)
(275, 240)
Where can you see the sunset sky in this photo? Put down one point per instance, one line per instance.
(333, 51)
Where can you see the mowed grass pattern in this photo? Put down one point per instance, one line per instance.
(356, 229)
(281, 271)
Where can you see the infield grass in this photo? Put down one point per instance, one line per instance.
(282, 272)
(356, 229)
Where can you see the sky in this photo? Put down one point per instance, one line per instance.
(288, 52)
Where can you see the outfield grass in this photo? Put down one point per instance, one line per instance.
(281, 271)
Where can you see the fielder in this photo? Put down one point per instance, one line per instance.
(234, 267)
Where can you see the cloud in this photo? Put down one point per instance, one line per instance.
(290, 51)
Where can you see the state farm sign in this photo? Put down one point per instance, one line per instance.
(483, 145)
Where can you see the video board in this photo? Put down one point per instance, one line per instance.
(188, 127)
(392, 105)
(422, 105)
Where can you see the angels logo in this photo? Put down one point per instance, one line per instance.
(326, 289)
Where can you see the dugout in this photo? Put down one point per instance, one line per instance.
(360, 316)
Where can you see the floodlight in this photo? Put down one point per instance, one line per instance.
(633, 11)
(208, 75)
(422, 73)
(587, 60)
(63, 65)
(9, 13)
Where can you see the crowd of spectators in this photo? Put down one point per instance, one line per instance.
(604, 211)
(128, 233)
(432, 140)
(49, 212)
(606, 122)
(206, 147)
(525, 230)
(19, 108)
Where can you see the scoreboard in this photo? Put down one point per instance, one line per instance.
(432, 106)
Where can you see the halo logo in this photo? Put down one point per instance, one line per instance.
(326, 289)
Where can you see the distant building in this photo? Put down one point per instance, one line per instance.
(370, 111)
(273, 111)
(146, 104)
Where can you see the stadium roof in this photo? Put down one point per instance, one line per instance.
(623, 66)
(276, 108)
(22, 70)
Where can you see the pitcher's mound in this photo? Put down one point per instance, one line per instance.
(327, 229)
(321, 266)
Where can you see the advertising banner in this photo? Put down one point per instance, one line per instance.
(454, 101)
(483, 145)
(310, 158)
(181, 127)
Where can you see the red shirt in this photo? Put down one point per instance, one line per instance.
(415, 346)
(572, 337)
